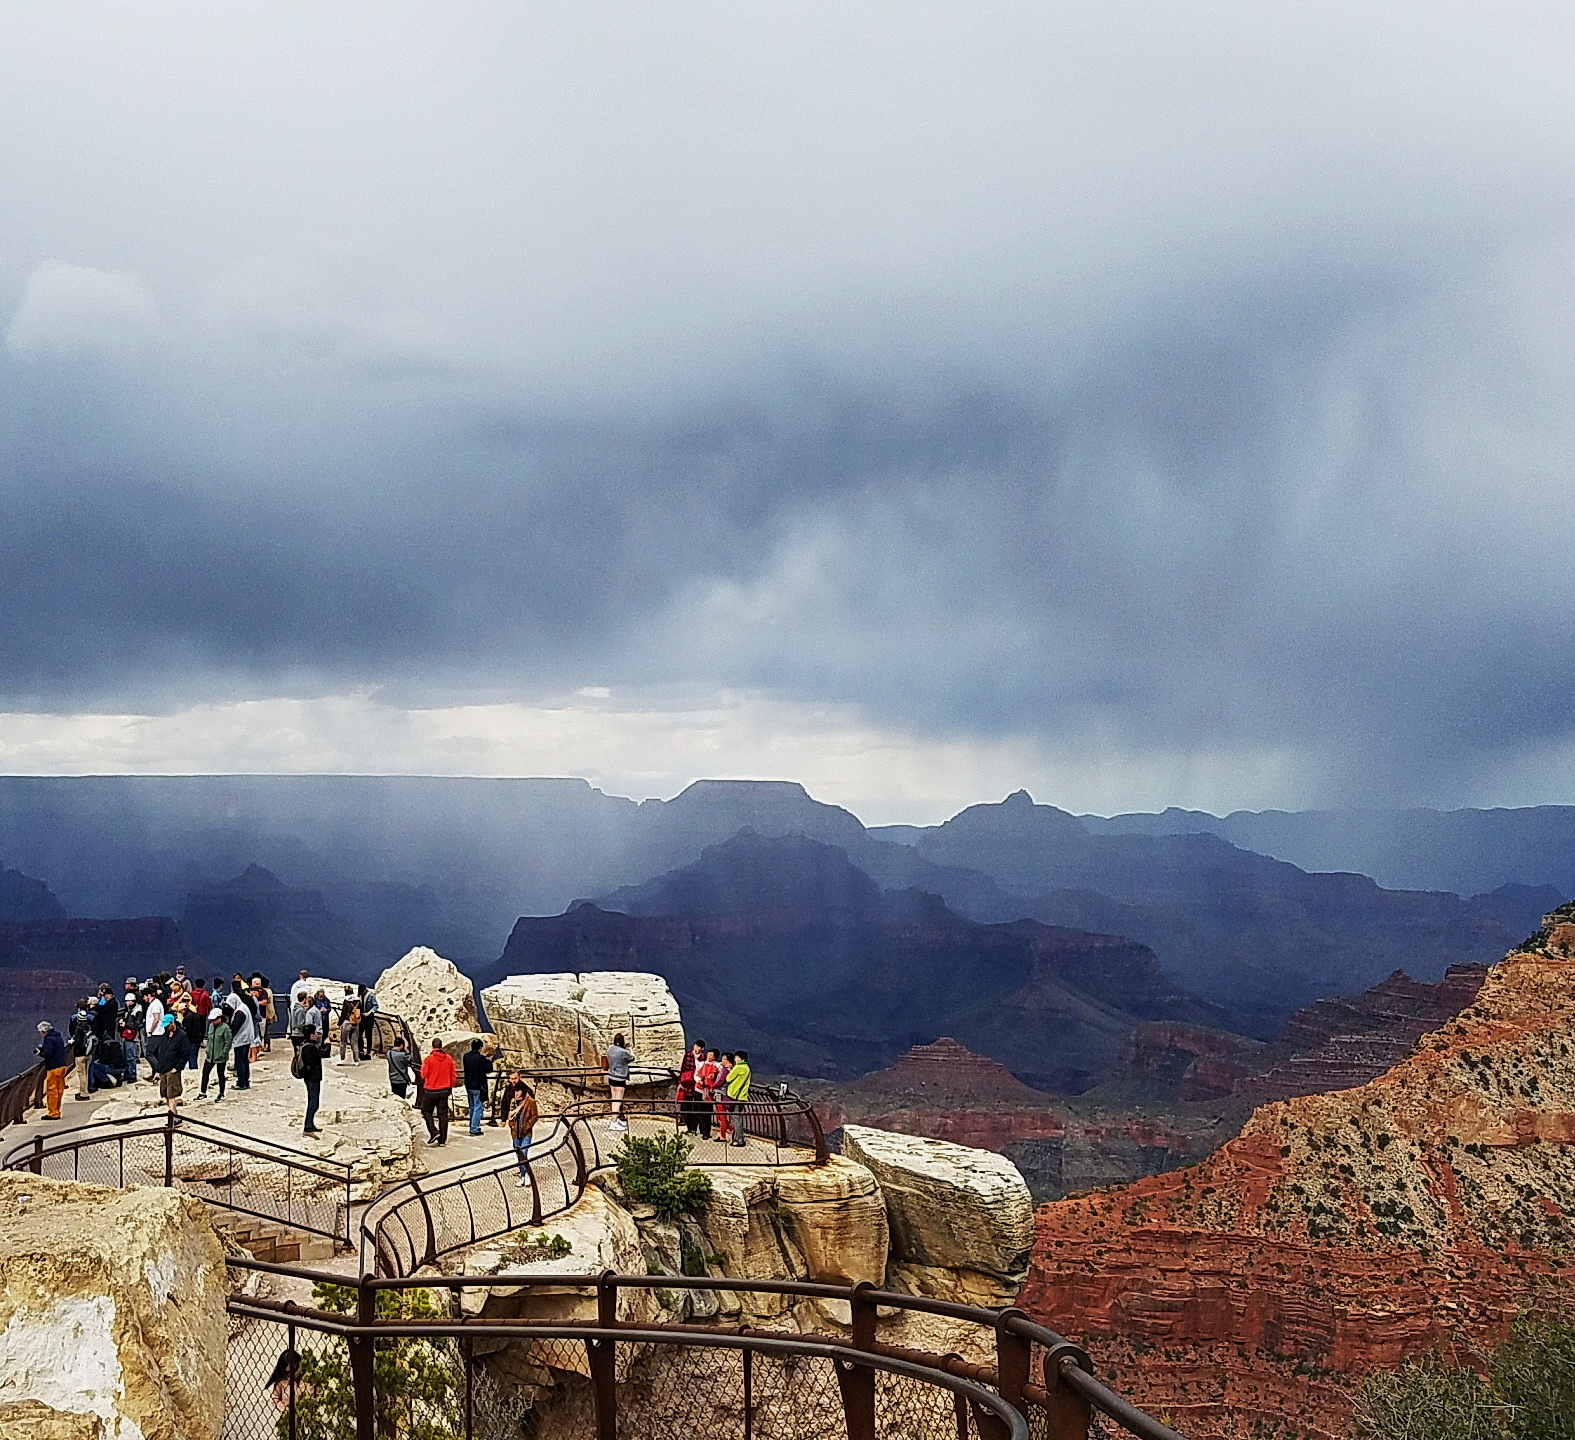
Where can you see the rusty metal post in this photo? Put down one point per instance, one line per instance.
(1014, 1356)
(1067, 1413)
(294, 1371)
(362, 1379)
(603, 1358)
(169, 1150)
(470, 1387)
(749, 1395)
(857, 1382)
(36, 1164)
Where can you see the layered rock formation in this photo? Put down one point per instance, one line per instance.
(1338, 1231)
(112, 1321)
(785, 948)
(961, 1220)
(569, 1019)
(1255, 935)
(429, 993)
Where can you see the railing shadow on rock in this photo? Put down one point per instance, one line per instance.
(425, 1218)
(492, 1377)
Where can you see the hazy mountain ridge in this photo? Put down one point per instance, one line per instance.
(784, 946)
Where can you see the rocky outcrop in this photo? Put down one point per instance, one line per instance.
(430, 993)
(112, 1322)
(961, 1220)
(1341, 1231)
(569, 1019)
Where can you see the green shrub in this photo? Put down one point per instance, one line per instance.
(1528, 1392)
(654, 1170)
(415, 1380)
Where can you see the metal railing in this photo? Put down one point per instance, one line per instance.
(613, 1377)
(20, 1094)
(424, 1218)
(413, 1356)
(239, 1173)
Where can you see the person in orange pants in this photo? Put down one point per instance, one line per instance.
(57, 1064)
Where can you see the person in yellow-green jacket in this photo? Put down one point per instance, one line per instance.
(738, 1095)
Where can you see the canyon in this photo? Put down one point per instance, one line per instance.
(1340, 1231)
(785, 947)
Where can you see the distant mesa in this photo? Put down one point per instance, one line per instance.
(946, 1073)
(24, 898)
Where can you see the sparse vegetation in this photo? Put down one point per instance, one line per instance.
(654, 1170)
(1525, 1391)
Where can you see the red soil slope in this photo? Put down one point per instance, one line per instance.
(1337, 1232)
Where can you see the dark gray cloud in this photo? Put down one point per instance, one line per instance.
(1178, 379)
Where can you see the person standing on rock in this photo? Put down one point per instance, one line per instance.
(617, 1063)
(238, 1013)
(167, 1054)
(196, 1029)
(708, 1079)
(477, 1068)
(83, 1044)
(302, 1014)
(349, 1028)
(520, 1115)
(399, 1066)
(307, 1065)
(368, 999)
(52, 1054)
(438, 1075)
(687, 1092)
(738, 1095)
(216, 1046)
(262, 999)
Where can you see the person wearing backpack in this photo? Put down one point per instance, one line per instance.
(349, 1028)
(521, 1115)
(217, 1043)
(368, 1019)
(83, 1043)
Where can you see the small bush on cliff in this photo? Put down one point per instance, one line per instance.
(416, 1381)
(1528, 1392)
(654, 1170)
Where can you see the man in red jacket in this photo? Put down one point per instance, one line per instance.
(438, 1075)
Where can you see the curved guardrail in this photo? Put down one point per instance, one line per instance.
(632, 1376)
(421, 1220)
(1040, 1386)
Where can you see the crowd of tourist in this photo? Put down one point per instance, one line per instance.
(176, 1024)
(173, 1022)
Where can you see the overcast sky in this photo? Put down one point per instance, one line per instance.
(1144, 403)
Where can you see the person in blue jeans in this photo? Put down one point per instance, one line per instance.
(308, 1063)
(520, 1114)
(477, 1068)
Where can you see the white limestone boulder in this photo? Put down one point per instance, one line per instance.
(949, 1207)
(570, 1019)
(112, 1320)
(432, 994)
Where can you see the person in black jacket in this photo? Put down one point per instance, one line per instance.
(168, 1052)
(52, 1052)
(308, 1064)
(477, 1068)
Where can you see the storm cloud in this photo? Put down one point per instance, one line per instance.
(1115, 381)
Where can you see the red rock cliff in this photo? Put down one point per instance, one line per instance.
(1337, 1232)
